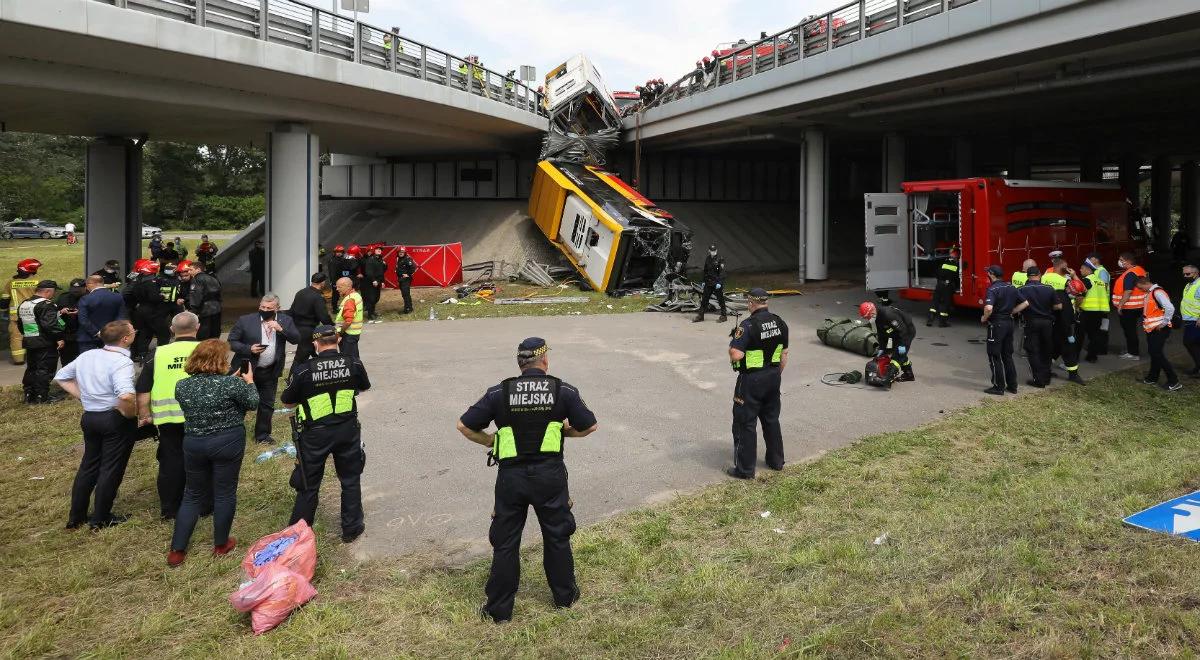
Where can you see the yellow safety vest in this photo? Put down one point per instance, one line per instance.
(1054, 281)
(356, 324)
(1096, 298)
(506, 441)
(169, 361)
(1189, 307)
(322, 405)
(1019, 279)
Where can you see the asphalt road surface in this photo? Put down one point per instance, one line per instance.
(661, 388)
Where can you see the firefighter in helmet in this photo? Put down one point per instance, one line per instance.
(943, 295)
(896, 331)
(19, 289)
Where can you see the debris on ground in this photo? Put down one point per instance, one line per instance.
(882, 539)
(548, 300)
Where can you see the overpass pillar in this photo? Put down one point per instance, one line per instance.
(292, 216)
(1131, 181)
(895, 155)
(112, 203)
(814, 182)
(1021, 166)
(1160, 202)
(1190, 180)
(1091, 168)
(964, 158)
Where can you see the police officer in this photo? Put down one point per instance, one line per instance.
(336, 270)
(110, 273)
(323, 391)
(373, 269)
(896, 331)
(68, 310)
(533, 412)
(405, 267)
(1042, 306)
(943, 294)
(714, 282)
(999, 305)
(258, 269)
(758, 352)
(20, 288)
(41, 336)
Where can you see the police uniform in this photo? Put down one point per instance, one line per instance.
(405, 267)
(762, 338)
(529, 411)
(68, 305)
(323, 389)
(896, 331)
(714, 283)
(943, 294)
(1039, 328)
(1002, 297)
(41, 330)
(160, 374)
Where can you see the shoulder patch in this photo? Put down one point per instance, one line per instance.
(737, 334)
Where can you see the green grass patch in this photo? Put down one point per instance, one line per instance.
(1003, 520)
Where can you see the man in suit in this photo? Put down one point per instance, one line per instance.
(260, 340)
(308, 311)
(97, 308)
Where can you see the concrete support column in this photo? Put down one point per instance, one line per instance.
(292, 215)
(1131, 182)
(1091, 168)
(895, 158)
(814, 216)
(964, 158)
(1160, 202)
(1020, 167)
(113, 203)
(1190, 181)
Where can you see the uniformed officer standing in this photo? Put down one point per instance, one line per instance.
(405, 267)
(323, 391)
(41, 336)
(896, 331)
(1041, 308)
(714, 283)
(20, 288)
(529, 411)
(758, 352)
(1000, 304)
(943, 294)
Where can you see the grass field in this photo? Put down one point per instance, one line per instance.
(1004, 540)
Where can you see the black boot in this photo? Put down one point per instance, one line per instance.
(944, 322)
(929, 319)
(907, 376)
(1074, 377)
(698, 318)
(722, 319)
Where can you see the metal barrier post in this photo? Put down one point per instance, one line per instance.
(315, 33)
(862, 20)
(899, 13)
(263, 19)
(120, 3)
(357, 54)
(199, 12)
(775, 50)
(829, 32)
(392, 52)
(754, 59)
(945, 6)
(424, 64)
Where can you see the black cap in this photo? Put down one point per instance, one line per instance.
(1033, 271)
(324, 332)
(532, 347)
(47, 284)
(317, 278)
(713, 247)
(758, 294)
(78, 283)
(996, 270)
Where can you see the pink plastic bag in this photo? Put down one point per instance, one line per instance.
(272, 596)
(294, 547)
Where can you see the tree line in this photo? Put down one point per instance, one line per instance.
(184, 186)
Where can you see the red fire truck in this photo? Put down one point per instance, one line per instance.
(996, 221)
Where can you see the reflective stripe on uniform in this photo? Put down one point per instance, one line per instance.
(777, 355)
(754, 359)
(506, 441)
(1190, 307)
(1153, 315)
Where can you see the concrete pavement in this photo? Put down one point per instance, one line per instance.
(661, 389)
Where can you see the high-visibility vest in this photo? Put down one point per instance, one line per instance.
(324, 404)
(527, 427)
(1054, 280)
(1137, 299)
(27, 318)
(169, 361)
(1096, 299)
(1019, 279)
(20, 290)
(1189, 307)
(356, 324)
(1153, 316)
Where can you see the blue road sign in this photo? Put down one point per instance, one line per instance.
(1178, 517)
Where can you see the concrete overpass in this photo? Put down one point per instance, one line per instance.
(280, 74)
(881, 91)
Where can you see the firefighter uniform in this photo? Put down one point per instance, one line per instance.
(323, 389)
(529, 411)
(158, 378)
(165, 307)
(943, 294)
(20, 288)
(1002, 297)
(896, 331)
(762, 338)
(41, 330)
(143, 301)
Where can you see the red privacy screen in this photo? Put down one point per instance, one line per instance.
(437, 265)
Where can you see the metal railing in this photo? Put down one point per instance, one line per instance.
(303, 26)
(845, 25)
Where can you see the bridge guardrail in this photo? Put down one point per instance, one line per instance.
(303, 26)
(845, 25)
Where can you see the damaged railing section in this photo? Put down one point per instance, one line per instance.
(305, 27)
(843, 26)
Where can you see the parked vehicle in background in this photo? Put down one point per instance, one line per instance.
(32, 229)
(148, 231)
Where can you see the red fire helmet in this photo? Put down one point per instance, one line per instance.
(866, 310)
(29, 266)
(145, 267)
(1076, 287)
(354, 251)
(339, 248)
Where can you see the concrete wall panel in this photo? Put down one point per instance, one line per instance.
(1012, 10)
(381, 181)
(671, 174)
(402, 179)
(424, 180)
(486, 189)
(444, 179)
(107, 21)
(465, 188)
(360, 180)
(335, 181)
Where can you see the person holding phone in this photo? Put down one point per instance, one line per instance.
(260, 341)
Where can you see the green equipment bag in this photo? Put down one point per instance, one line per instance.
(849, 334)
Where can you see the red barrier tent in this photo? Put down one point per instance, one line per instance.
(437, 265)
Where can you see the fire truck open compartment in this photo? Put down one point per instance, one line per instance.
(936, 219)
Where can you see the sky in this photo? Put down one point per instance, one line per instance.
(629, 40)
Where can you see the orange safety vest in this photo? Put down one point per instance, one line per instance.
(1153, 316)
(1137, 299)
